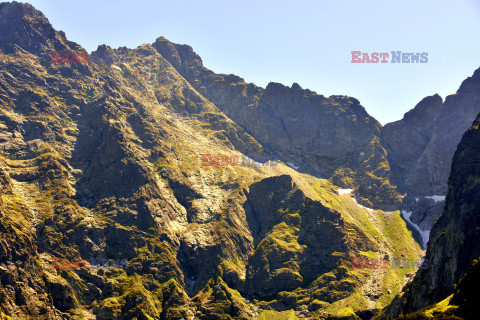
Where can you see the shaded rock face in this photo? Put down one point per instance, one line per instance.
(406, 140)
(320, 130)
(466, 295)
(462, 304)
(455, 236)
(421, 147)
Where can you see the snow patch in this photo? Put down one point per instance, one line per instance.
(292, 165)
(344, 191)
(369, 209)
(436, 198)
(424, 233)
(349, 191)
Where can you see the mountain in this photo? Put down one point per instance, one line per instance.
(330, 137)
(445, 287)
(421, 147)
(407, 140)
(125, 191)
(138, 184)
(335, 137)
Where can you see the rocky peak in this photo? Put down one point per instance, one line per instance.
(471, 84)
(24, 27)
(181, 56)
(168, 51)
(104, 54)
(425, 110)
(407, 139)
(296, 87)
(273, 87)
(421, 145)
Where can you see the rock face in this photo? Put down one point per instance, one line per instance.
(422, 144)
(406, 141)
(290, 254)
(420, 148)
(455, 237)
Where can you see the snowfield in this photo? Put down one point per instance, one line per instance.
(436, 198)
(292, 165)
(424, 233)
(345, 191)
(349, 191)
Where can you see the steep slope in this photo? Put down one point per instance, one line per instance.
(462, 304)
(335, 138)
(103, 160)
(407, 139)
(328, 137)
(455, 237)
(421, 147)
(457, 113)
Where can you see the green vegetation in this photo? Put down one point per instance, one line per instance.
(441, 310)
(284, 315)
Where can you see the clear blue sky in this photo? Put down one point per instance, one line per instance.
(308, 42)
